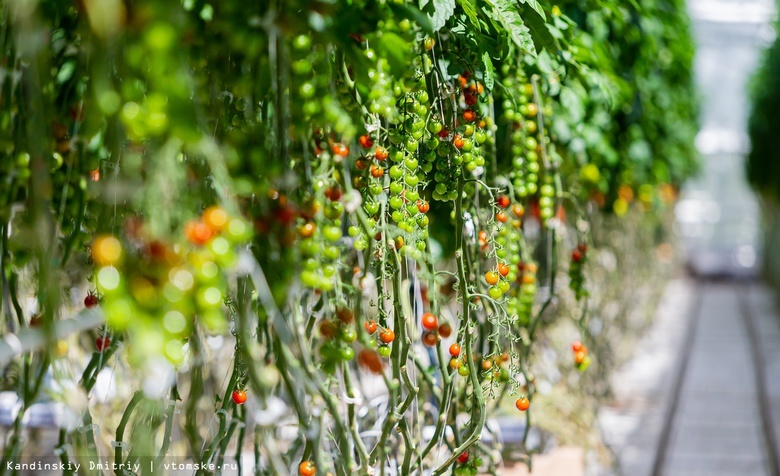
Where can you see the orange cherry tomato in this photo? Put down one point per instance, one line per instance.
(307, 468)
(387, 335)
(429, 321)
(239, 397)
(430, 339)
(491, 277)
(455, 350)
(522, 404)
(503, 269)
(370, 326)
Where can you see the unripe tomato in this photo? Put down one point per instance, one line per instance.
(239, 397)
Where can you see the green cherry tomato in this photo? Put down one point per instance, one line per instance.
(385, 351)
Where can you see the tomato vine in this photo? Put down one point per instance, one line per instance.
(370, 200)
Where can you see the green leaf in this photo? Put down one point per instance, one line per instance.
(536, 6)
(506, 14)
(442, 11)
(470, 9)
(489, 71)
(395, 49)
(540, 32)
(405, 11)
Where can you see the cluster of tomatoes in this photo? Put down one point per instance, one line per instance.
(579, 256)
(581, 358)
(153, 289)
(467, 465)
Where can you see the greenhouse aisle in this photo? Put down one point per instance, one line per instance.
(703, 395)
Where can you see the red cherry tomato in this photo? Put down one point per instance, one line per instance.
(387, 335)
(307, 468)
(91, 301)
(370, 326)
(455, 350)
(463, 458)
(429, 321)
(239, 397)
(102, 343)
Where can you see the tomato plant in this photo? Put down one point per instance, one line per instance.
(304, 200)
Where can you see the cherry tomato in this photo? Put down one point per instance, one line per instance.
(469, 115)
(429, 321)
(522, 404)
(106, 250)
(503, 201)
(487, 365)
(429, 44)
(198, 232)
(307, 468)
(430, 339)
(503, 269)
(518, 210)
(501, 217)
(457, 141)
(377, 171)
(370, 326)
(91, 300)
(370, 360)
(239, 397)
(102, 343)
(216, 218)
(387, 335)
(307, 230)
(445, 330)
(381, 153)
(365, 141)
(579, 357)
(576, 346)
(491, 277)
(455, 350)
(423, 206)
(463, 458)
(455, 363)
(576, 256)
(385, 351)
(463, 370)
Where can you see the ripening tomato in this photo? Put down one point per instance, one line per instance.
(491, 277)
(469, 115)
(307, 468)
(576, 346)
(430, 339)
(423, 206)
(198, 232)
(102, 343)
(91, 300)
(503, 269)
(457, 141)
(522, 404)
(370, 326)
(216, 218)
(518, 210)
(239, 397)
(106, 250)
(503, 201)
(365, 141)
(340, 149)
(377, 171)
(429, 321)
(307, 230)
(387, 335)
(370, 359)
(455, 350)
(579, 356)
(501, 217)
(381, 153)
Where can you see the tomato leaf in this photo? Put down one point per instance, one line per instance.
(540, 32)
(413, 14)
(536, 6)
(470, 9)
(489, 71)
(442, 11)
(505, 12)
